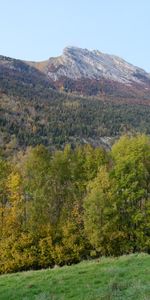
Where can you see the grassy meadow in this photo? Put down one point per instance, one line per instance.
(126, 277)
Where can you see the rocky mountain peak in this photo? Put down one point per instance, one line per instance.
(77, 63)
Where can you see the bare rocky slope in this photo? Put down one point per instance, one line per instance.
(77, 69)
(76, 63)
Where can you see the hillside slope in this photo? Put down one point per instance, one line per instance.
(33, 110)
(78, 71)
(80, 63)
(93, 72)
(122, 278)
(57, 119)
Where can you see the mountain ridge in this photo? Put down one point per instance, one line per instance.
(76, 63)
(92, 72)
(35, 109)
(82, 72)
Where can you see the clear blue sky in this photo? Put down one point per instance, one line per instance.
(38, 29)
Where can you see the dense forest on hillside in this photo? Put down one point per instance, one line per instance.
(62, 206)
(56, 119)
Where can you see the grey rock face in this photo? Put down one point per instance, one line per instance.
(76, 63)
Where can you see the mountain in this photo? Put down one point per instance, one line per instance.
(78, 71)
(40, 106)
(93, 72)
(76, 63)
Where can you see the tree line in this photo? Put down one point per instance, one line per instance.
(64, 206)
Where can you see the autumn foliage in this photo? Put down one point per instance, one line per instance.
(61, 207)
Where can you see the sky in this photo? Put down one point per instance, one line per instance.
(38, 29)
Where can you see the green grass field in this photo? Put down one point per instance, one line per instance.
(127, 277)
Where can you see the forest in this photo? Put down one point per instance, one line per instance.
(62, 206)
(59, 119)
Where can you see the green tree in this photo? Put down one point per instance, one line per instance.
(131, 172)
(98, 212)
(4, 172)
